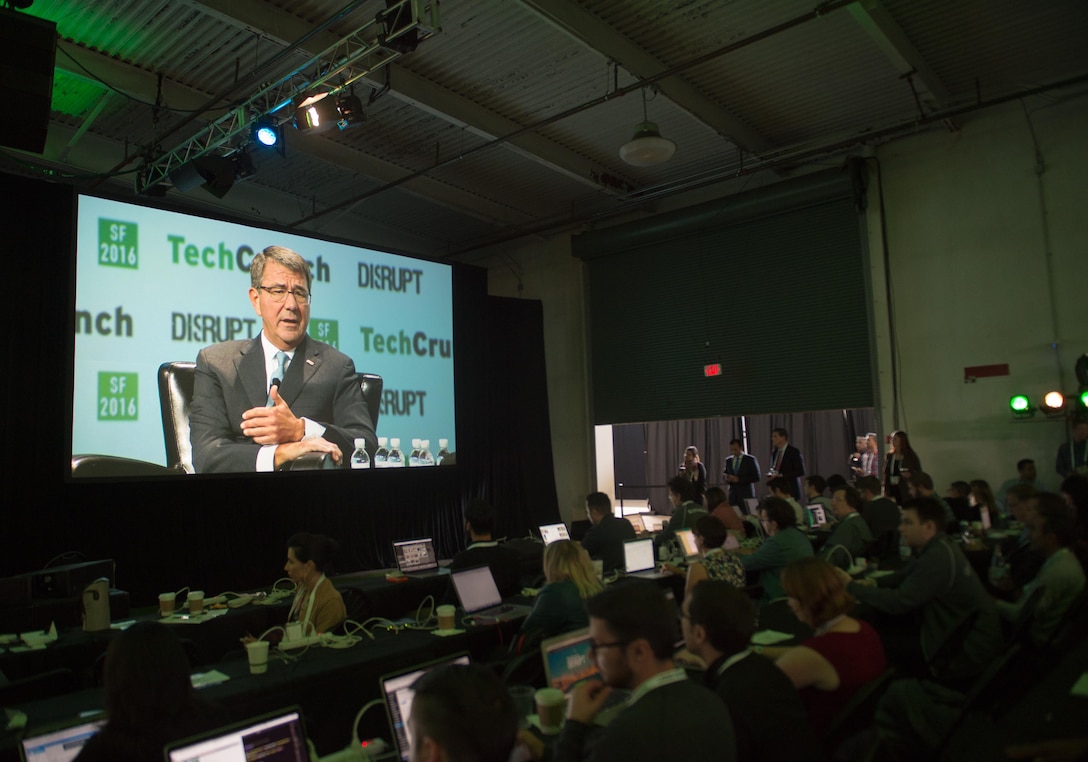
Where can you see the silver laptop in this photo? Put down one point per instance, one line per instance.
(640, 559)
(817, 516)
(653, 522)
(479, 596)
(398, 693)
(553, 533)
(688, 549)
(60, 743)
(276, 737)
(417, 558)
(636, 523)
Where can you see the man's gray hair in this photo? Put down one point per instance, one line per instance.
(282, 256)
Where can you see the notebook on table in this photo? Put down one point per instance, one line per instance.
(59, 742)
(397, 691)
(640, 559)
(479, 595)
(276, 737)
(553, 533)
(417, 558)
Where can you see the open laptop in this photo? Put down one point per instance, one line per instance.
(567, 662)
(751, 506)
(276, 737)
(640, 559)
(398, 693)
(636, 523)
(553, 533)
(817, 516)
(417, 558)
(688, 549)
(60, 743)
(653, 522)
(479, 595)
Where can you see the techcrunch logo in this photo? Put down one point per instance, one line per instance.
(401, 343)
(401, 402)
(105, 324)
(222, 257)
(118, 244)
(118, 396)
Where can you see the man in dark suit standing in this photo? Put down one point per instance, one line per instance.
(261, 403)
(604, 540)
(741, 472)
(786, 461)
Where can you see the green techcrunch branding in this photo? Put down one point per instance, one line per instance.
(118, 396)
(118, 244)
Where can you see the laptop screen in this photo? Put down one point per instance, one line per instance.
(415, 555)
(687, 542)
(817, 517)
(554, 532)
(567, 660)
(277, 737)
(398, 693)
(751, 506)
(60, 744)
(638, 555)
(476, 588)
(636, 522)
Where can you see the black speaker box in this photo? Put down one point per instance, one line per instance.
(28, 51)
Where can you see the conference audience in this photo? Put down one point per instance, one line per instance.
(714, 562)
(769, 720)
(938, 585)
(843, 653)
(1073, 453)
(901, 462)
(317, 604)
(484, 550)
(780, 488)
(569, 580)
(1025, 474)
(694, 470)
(1061, 578)
(462, 712)
(920, 484)
(685, 511)
(605, 538)
(633, 629)
(851, 538)
(785, 544)
(1021, 561)
(814, 495)
(720, 508)
(982, 500)
(881, 514)
(148, 697)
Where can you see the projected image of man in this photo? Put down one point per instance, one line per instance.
(263, 402)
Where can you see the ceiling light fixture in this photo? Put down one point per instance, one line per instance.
(647, 147)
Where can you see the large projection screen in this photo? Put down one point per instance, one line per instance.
(155, 286)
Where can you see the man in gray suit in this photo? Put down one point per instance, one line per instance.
(261, 403)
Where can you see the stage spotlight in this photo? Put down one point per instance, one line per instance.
(1021, 406)
(215, 174)
(1053, 403)
(1082, 401)
(320, 113)
(267, 133)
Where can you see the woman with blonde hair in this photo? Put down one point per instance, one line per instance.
(569, 579)
(843, 653)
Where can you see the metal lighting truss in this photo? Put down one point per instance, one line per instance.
(352, 58)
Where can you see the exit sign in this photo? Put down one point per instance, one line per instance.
(712, 370)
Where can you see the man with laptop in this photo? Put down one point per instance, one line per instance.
(505, 564)
(632, 627)
(851, 535)
(604, 540)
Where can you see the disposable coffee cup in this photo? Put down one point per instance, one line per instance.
(523, 696)
(447, 617)
(166, 603)
(196, 602)
(550, 705)
(257, 651)
(598, 569)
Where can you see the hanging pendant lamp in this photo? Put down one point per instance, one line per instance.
(647, 147)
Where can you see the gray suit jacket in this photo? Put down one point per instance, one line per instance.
(320, 384)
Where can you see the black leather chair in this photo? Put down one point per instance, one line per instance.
(175, 400)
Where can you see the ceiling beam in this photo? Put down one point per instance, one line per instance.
(599, 36)
(280, 26)
(889, 36)
(143, 85)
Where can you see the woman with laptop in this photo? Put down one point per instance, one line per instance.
(569, 579)
(714, 562)
(843, 653)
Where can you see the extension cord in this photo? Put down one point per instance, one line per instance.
(240, 601)
(309, 640)
(362, 753)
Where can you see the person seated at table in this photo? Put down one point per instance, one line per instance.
(605, 538)
(814, 495)
(569, 580)
(939, 585)
(1021, 561)
(148, 697)
(1051, 529)
(843, 653)
(920, 484)
(1025, 475)
(851, 537)
(981, 498)
(882, 516)
(718, 506)
(317, 605)
(483, 550)
(714, 562)
(768, 718)
(780, 488)
(685, 511)
(462, 712)
(785, 544)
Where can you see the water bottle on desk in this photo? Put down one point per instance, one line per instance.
(396, 457)
(443, 451)
(425, 457)
(359, 458)
(381, 455)
(413, 457)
